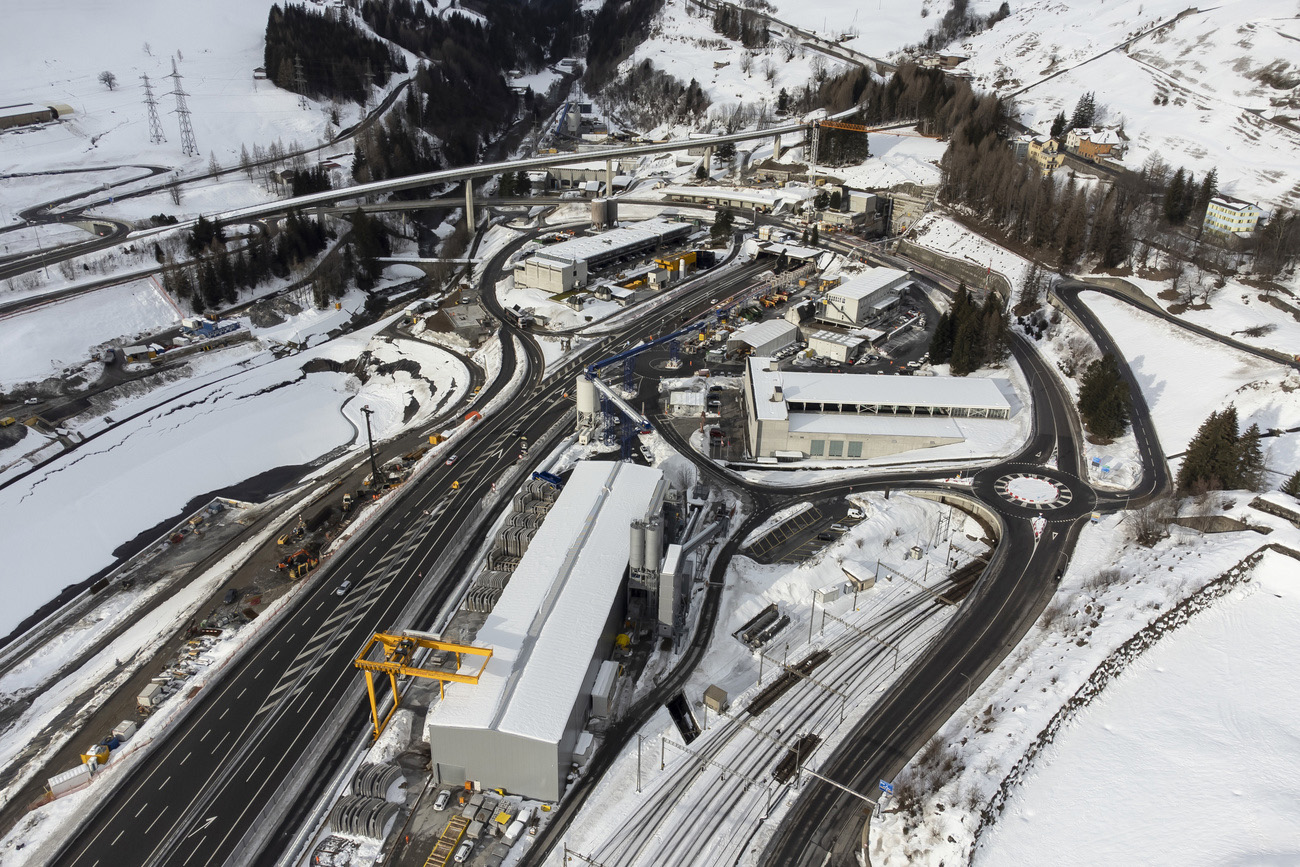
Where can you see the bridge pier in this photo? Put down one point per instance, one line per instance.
(609, 177)
(776, 147)
(469, 204)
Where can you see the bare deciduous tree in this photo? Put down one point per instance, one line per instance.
(108, 79)
(1151, 522)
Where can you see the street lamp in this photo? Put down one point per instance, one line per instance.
(968, 684)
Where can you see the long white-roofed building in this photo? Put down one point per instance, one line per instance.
(553, 626)
(856, 416)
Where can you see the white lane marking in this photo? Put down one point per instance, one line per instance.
(255, 767)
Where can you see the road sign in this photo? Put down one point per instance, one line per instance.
(887, 788)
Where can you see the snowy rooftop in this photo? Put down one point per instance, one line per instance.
(848, 388)
(759, 333)
(874, 425)
(869, 281)
(613, 241)
(794, 251)
(567, 580)
(21, 109)
(837, 337)
(767, 197)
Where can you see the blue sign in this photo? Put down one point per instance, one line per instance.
(887, 788)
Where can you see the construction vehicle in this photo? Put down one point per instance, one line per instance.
(347, 503)
(299, 563)
(8, 420)
(291, 537)
(434, 439)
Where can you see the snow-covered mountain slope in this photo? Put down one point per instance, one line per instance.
(1195, 88)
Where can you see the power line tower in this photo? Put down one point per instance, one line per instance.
(189, 146)
(300, 83)
(151, 103)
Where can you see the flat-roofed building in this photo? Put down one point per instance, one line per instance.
(567, 265)
(763, 338)
(865, 298)
(550, 631)
(852, 416)
(1228, 216)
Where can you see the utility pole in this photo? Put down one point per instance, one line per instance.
(299, 82)
(151, 104)
(189, 146)
(374, 463)
(638, 763)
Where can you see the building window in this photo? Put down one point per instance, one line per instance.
(837, 449)
(855, 450)
(817, 448)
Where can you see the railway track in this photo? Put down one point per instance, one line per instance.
(736, 769)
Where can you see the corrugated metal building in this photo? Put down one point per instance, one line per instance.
(553, 626)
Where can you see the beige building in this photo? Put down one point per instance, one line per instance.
(866, 298)
(1228, 216)
(830, 416)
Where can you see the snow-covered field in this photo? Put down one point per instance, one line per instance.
(943, 235)
(895, 159)
(1204, 65)
(1167, 362)
(48, 339)
(1205, 719)
(1112, 589)
(219, 45)
(261, 414)
(1232, 311)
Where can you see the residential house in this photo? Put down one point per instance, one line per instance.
(1047, 153)
(1092, 144)
(1228, 216)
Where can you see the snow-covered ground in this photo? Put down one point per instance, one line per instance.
(877, 31)
(61, 334)
(1166, 361)
(1210, 710)
(1206, 65)
(1112, 589)
(261, 414)
(909, 158)
(1233, 310)
(943, 235)
(218, 48)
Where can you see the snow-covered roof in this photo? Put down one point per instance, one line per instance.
(835, 337)
(868, 282)
(760, 333)
(794, 251)
(613, 241)
(846, 388)
(22, 108)
(1231, 204)
(874, 425)
(765, 197)
(548, 622)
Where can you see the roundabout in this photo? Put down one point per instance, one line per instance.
(1036, 490)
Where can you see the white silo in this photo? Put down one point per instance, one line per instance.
(636, 552)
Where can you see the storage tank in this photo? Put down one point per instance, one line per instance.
(636, 552)
(599, 213)
(586, 397)
(654, 543)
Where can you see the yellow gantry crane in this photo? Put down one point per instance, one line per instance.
(399, 651)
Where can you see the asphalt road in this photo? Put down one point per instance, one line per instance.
(205, 784)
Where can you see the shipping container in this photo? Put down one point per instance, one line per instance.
(124, 730)
(74, 778)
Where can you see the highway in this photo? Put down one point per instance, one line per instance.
(210, 790)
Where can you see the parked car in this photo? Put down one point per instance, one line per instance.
(231, 595)
(856, 513)
(440, 802)
(839, 528)
(462, 852)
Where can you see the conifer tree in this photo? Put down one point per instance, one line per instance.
(1103, 398)
(1292, 485)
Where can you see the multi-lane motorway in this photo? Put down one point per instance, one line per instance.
(211, 791)
(227, 783)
